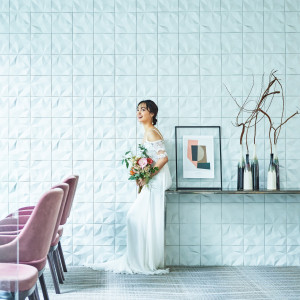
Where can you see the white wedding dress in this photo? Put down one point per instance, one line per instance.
(145, 224)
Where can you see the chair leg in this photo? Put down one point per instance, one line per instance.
(62, 258)
(43, 286)
(57, 268)
(36, 292)
(53, 273)
(32, 296)
(59, 264)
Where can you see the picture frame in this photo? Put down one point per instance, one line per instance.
(198, 157)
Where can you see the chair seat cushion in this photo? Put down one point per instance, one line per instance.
(10, 274)
(38, 264)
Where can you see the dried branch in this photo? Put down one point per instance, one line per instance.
(279, 127)
(242, 108)
(253, 117)
(243, 131)
(255, 123)
(271, 126)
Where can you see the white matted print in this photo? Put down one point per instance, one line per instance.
(198, 156)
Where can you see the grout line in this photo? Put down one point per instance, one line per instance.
(51, 108)
(200, 98)
(178, 35)
(264, 123)
(115, 123)
(221, 54)
(30, 117)
(72, 97)
(93, 217)
(286, 205)
(8, 112)
(221, 116)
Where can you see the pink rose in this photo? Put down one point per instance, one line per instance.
(142, 162)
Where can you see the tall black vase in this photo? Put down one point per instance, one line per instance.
(276, 163)
(255, 170)
(240, 172)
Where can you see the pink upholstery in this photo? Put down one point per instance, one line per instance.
(27, 208)
(11, 220)
(14, 227)
(35, 238)
(72, 182)
(24, 212)
(65, 188)
(11, 232)
(15, 277)
(5, 239)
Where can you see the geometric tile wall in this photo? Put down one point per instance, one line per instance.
(71, 75)
(233, 230)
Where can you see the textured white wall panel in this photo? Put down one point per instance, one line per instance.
(72, 73)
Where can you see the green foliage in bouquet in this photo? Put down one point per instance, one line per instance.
(140, 166)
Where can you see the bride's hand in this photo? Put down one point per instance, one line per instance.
(141, 182)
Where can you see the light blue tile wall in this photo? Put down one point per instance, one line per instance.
(70, 77)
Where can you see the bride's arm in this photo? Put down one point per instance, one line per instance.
(153, 136)
(160, 163)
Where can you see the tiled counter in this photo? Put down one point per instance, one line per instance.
(233, 228)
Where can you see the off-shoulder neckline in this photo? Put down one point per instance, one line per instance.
(154, 141)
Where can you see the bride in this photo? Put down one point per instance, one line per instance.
(145, 219)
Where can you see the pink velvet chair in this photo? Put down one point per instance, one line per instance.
(25, 212)
(18, 281)
(72, 181)
(34, 240)
(53, 256)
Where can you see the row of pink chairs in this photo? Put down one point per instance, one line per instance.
(31, 236)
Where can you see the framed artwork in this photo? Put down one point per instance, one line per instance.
(198, 157)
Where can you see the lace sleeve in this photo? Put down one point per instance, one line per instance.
(159, 147)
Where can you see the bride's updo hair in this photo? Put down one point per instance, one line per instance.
(152, 107)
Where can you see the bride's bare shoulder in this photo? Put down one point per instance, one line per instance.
(154, 135)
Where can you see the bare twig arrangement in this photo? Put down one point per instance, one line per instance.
(242, 108)
(253, 114)
(278, 128)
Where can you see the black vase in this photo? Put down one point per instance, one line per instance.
(276, 163)
(255, 170)
(240, 172)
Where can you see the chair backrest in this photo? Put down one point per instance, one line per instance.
(35, 238)
(65, 188)
(72, 181)
(22, 219)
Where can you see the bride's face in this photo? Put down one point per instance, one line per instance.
(143, 114)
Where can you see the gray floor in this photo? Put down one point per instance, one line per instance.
(182, 283)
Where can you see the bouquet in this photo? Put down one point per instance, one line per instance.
(140, 166)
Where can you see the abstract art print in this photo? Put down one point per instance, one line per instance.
(198, 156)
